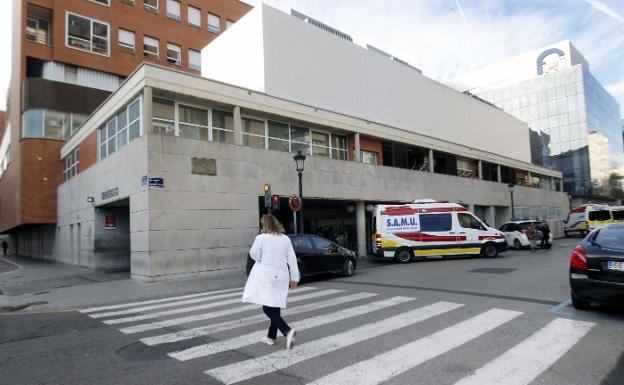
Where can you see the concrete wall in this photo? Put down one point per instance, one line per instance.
(38, 242)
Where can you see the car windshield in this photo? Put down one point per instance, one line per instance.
(602, 215)
(610, 238)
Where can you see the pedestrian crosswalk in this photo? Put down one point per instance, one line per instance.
(216, 322)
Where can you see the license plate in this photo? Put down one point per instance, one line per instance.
(615, 266)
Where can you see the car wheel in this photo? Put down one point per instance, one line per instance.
(517, 245)
(489, 250)
(348, 268)
(403, 255)
(579, 304)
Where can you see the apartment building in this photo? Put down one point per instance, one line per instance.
(67, 57)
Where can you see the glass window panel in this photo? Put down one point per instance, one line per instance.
(122, 121)
(33, 124)
(213, 23)
(173, 9)
(222, 119)
(194, 60)
(163, 109)
(79, 27)
(67, 129)
(304, 148)
(134, 131)
(112, 146)
(369, 157)
(77, 122)
(194, 16)
(163, 127)
(278, 145)
(339, 141)
(122, 137)
(299, 134)
(253, 141)
(193, 115)
(320, 151)
(435, 222)
(278, 130)
(134, 111)
(103, 153)
(53, 123)
(252, 126)
(194, 132)
(339, 154)
(174, 54)
(320, 138)
(111, 128)
(223, 136)
(100, 30)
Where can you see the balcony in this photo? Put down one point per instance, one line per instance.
(39, 25)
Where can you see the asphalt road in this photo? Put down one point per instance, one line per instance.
(460, 321)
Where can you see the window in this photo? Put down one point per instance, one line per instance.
(150, 47)
(129, 2)
(466, 168)
(86, 34)
(213, 23)
(222, 126)
(126, 40)
(253, 133)
(301, 244)
(468, 221)
(278, 136)
(368, 157)
(299, 139)
(164, 116)
(173, 9)
(103, 2)
(339, 147)
(70, 164)
(121, 129)
(150, 5)
(174, 54)
(321, 244)
(38, 123)
(436, 222)
(38, 30)
(193, 122)
(228, 24)
(71, 74)
(602, 215)
(194, 16)
(194, 60)
(610, 238)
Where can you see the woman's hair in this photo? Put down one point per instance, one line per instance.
(271, 225)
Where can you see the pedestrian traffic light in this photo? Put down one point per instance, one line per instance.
(275, 202)
(267, 197)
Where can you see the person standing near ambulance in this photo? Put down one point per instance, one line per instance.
(274, 271)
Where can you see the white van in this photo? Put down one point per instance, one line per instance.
(583, 219)
(427, 228)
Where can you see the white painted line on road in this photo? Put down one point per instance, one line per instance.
(524, 362)
(227, 312)
(387, 365)
(252, 338)
(215, 328)
(257, 366)
(164, 305)
(179, 311)
(119, 306)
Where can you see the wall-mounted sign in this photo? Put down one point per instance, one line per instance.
(110, 193)
(152, 182)
(550, 60)
(110, 222)
(294, 202)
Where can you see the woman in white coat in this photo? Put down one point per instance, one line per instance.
(274, 271)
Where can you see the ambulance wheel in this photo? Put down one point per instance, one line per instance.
(403, 255)
(489, 250)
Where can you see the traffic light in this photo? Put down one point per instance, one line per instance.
(267, 197)
(275, 202)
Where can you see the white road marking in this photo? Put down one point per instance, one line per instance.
(215, 328)
(257, 366)
(389, 364)
(226, 312)
(120, 306)
(254, 337)
(188, 309)
(526, 361)
(164, 305)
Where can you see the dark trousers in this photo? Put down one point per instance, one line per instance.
(545, 239)
(277, 322)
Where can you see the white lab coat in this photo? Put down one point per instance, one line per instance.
(275, 267)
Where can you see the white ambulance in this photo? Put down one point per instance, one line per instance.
(583, 219)
(430, 229)
(617, 213)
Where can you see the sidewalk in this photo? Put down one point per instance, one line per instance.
(33, 285)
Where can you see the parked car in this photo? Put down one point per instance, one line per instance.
(597, 268)
(515, 234)
(316, 255)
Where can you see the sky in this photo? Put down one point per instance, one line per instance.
(445, 38)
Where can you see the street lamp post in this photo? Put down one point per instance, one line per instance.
(299, 161)
(510, 187)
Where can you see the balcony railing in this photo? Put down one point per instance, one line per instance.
(39, 38)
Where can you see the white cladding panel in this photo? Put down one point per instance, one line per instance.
(84, 77)
(308, 65)
(54, 71)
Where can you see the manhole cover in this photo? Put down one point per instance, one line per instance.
(492, 270)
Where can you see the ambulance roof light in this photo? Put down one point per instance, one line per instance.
(422, 201)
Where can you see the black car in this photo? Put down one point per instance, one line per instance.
(597, 268)
(316, 255)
